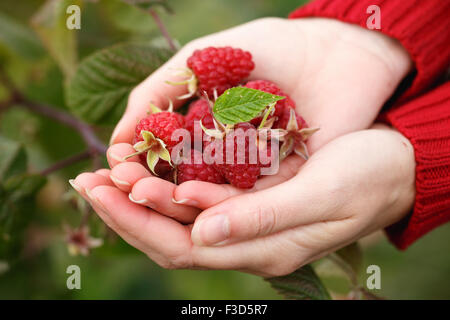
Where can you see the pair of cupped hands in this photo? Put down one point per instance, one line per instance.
(359, 178)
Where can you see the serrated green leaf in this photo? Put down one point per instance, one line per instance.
(16, 207)
(61, 42)
(13, 159)
(23, 185)
(242, 104)
(99, 90)
(19, 39)
(302, 284)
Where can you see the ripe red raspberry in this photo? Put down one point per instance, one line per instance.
(198, 171)
(270, 87)
(180, 118)
(161, 124)
(150, 132)
(240, 172)
(198, 110)
(220, 68)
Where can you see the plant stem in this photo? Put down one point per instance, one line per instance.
(86, 132)
(346, 268)
(84, 129)
(6, 104)
(95, 146)
(66, 162)
(163, 29)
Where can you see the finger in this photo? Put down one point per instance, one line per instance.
(103, 172)
(168, 243)
(98, 191)
(157, 194)
(88, 180)
(126, 174)
(162, 238)
(204, 194)
(104, 215)
(276, 254)
(299, 201)
(117, 152)
(154, 89)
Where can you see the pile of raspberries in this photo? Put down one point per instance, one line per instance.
(212, 71)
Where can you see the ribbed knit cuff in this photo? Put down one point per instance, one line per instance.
(426, 123)
(421, 26)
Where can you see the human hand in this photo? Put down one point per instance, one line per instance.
(354, 185)
(339, 75)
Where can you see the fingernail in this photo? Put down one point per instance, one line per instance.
(211, 231)
(95, 201)
(119, 182)
(115, 157)
(188, 202)
(143, 201)
(75, 186)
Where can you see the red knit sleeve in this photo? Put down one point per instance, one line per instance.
(421, 26)
(425, 121)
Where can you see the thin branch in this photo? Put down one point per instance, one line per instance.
(6, 104)
(85, 130)
(67, 162)
(370, 296)
(86, 213)
(94, 144)
(346, 268)
(163, 29)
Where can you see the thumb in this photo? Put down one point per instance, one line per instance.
(253, 215)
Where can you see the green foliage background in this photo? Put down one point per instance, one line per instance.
(33, 260)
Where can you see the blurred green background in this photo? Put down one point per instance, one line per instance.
(34, 258)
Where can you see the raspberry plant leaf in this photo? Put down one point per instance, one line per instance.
(242, 104)
(16, 209)
(49, 22)
(99, 90)
(19, 39)
(17, 187)
(302, 284)
(13, 159)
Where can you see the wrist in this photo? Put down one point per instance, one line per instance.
(402, 193)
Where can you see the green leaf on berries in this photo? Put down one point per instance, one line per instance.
(242, 104)
(302, 284)
(99, 90)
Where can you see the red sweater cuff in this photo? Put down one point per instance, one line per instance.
(426, 123)
(422, 27)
